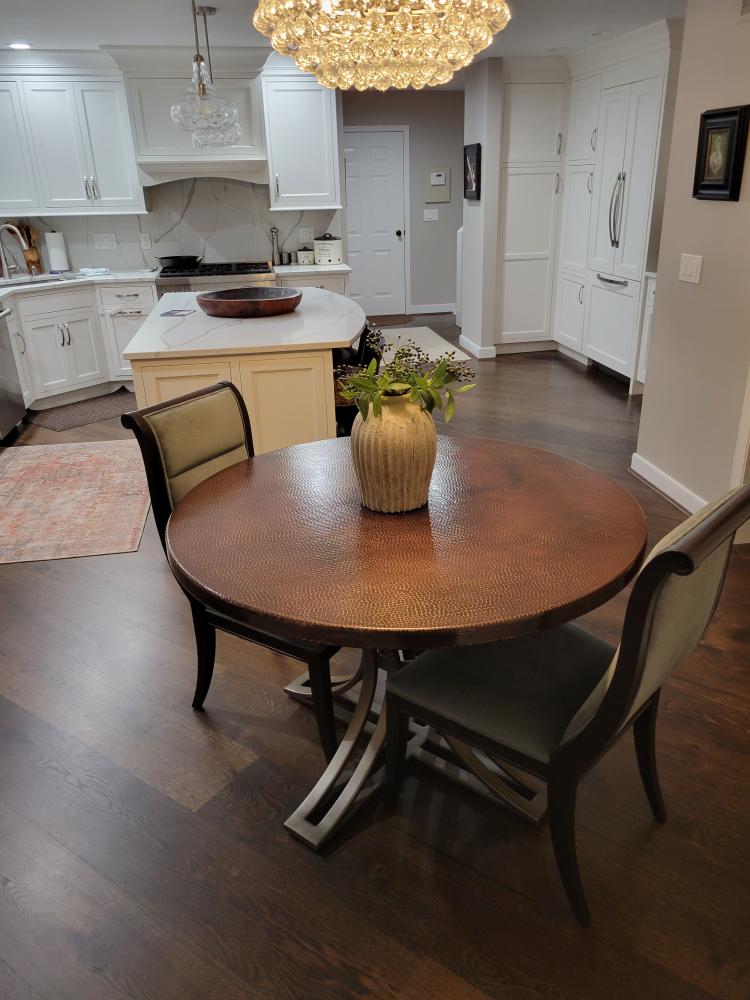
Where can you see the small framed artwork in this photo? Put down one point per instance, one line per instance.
(473, 171)
(722, 144)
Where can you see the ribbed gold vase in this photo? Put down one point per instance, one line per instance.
(394, 455)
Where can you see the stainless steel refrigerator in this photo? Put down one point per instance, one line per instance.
(12, 408)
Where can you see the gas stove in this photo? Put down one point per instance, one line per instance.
(233, 274)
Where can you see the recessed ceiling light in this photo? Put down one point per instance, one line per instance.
(19, 45)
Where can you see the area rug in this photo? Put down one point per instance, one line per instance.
(425, 338)
(64, 500)
(386, 321)
(87, 411)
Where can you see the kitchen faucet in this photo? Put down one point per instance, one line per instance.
(5, 267)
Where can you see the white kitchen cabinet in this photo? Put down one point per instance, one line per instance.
(613, 124)
(84, 348)
(83, 148)
(302, 142)
(18, 187)
(156, 382)
(46, 343)
(534, 122)
(648, 318)
(570, 311)
(611, 322)
(583, 120)
(578, 187)
(331, 282)
(123, 309)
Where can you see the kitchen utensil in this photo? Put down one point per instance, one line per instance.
(249, 303)
(328, 249)
(305, 255)
(286, 258)
(180, 260)
(275, 253)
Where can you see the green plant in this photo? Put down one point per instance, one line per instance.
(429, 383)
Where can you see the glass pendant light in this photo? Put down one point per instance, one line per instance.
(211, 118)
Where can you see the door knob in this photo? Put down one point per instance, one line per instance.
(399, 233)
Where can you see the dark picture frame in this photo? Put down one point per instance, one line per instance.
(473, 171)
(722, 144)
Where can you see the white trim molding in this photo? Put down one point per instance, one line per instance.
(435, 307)
(475, 350)
(673, 490)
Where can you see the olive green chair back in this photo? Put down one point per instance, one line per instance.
(185, 440)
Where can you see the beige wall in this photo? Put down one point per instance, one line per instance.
(436, 129)
(700, 355)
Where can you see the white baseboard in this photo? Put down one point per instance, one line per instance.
(436, 307)
(568, 352)
(475, 350)
(526, 347)
(672, 489)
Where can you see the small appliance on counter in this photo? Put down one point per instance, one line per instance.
(328, 249)
(306, 255)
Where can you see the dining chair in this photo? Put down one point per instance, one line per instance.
(184, 441)
(354, 357)
(553, 702)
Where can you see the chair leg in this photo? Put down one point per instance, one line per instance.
(396, 738)
(319, 668)
(205, 642)
(561, 805)
(644, 735)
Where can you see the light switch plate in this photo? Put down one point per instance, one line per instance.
(431, 215)
(691, 268)
(145, 241)
(105, 241)
(306, 235)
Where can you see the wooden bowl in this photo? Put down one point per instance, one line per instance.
(249, 303)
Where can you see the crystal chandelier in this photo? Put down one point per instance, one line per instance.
(211, 118)
(381, 43)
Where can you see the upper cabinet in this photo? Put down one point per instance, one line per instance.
(534, 122)
(18, 191)
(108, 145)
(57, 136)
(302, 142)
(583, 120)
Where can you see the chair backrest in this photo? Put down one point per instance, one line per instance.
(188, 439)
(671, 605)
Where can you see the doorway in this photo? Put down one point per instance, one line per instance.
(376, 196)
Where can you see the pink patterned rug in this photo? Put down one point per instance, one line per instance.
(64, 500)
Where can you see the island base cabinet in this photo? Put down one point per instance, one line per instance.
(289, 398)
(156, 383)
(612, 323)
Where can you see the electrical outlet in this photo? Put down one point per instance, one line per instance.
(145, 241)
(691, 268)
(431, 215)
(105, 241)
(306, 235)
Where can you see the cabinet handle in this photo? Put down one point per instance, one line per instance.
(95, 188)
(62, 334)
(557, 184)
(613, 281)
(559, 143)
(126, 312)
(67, 330)
(86, 187)
(611, 207)
(618, 209)
(594, 137)
(590, 183)
(20, 337)
(277, 186)
(580, 295)
(126, 295)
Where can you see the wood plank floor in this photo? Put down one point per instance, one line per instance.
(142, 851)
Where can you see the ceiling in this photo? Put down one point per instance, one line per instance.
(538, 26)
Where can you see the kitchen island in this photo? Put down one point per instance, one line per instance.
(282, 365)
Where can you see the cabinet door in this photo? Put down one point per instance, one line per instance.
(611, 323)
(46, 344)
(583, 119)
(111, 161)
(633, 211)
(84, 346)
(331, 282)
(289, 398)
(578, 188)
(58, 143)
(613, 122)
(18, 191)
(303, 159)
(156, 383)
(570, 311)
(530, 209)
(119, 329)
(534, 122)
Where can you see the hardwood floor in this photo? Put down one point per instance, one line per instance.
(142, 851)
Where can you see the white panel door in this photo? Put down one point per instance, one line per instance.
(613, 122)
(569, 315)
(633, 207)
(578, 187)
(18, 192)
(583, 119)
(111, 161)
(611, 323)
(58, 142)
(83, 344)
(46, 343)
(376, 220)
(529, 208)
(534, 122)
(303, 164)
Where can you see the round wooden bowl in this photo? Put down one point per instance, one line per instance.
(249, 303)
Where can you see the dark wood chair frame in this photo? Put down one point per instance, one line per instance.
(576, 757)
(360, 357)
(206, 621)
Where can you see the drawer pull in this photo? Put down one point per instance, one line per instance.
(580, 295)
(126, 312)
(127, 295)
(613, 281)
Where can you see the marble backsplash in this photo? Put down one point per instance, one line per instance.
(220, 220)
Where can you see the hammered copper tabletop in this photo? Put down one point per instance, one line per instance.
(513, 539)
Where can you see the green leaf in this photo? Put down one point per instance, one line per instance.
(465, 388)
(399, 387)
(436, 399)
(363, 405)
(377, 405)
(372, 367)
(450, 406)
(427, 400)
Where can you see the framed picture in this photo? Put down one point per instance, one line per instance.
(721, 153)
(473, 171)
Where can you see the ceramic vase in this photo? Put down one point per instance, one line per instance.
(394, 455)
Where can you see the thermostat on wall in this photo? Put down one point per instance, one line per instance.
(438, 187)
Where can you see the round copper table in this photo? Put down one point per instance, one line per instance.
(513, 539)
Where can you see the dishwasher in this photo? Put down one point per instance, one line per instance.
(12, 408)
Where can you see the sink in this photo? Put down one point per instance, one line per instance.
(30, 279)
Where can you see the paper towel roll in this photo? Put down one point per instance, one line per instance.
(58, 255)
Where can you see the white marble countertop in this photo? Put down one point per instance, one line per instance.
(29, 287)
(322, 320)
(287, 270)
